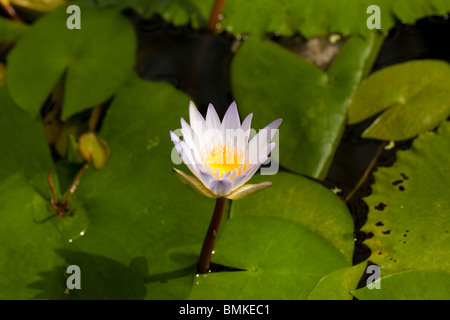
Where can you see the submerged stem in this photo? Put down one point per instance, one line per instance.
(366, 172)
(211, 235)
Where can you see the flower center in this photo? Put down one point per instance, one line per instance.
(226, 158)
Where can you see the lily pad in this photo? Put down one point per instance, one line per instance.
(412, 97)
(300, 200)
(274, 237)
(338, 284)
(139, 211)
(313, 104)
(409, 208)
(258, 17)
(409, 285)
(23, 145)
(92, 61)
(11, 30)
(30, 229)
(27, 248)
(282, 260)
(322, 17)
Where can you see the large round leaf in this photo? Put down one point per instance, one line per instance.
(27, 251)
(338, 284)
(409, 208)
(137, 231)
(281, 259)
(409, 285)
(300, 200)
(23, 146)
(92, 61)
(30, 231)
(278, 84)
(412, 95)
(11, 30)
(285, 238)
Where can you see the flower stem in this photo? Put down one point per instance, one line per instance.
(9, 10)
(211, 235)
(214, 15)
(76, 181)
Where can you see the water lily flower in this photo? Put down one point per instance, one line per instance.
(221, 155)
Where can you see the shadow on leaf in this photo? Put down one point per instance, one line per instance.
(101, 278)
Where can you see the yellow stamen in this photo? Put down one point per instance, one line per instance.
(225, 158)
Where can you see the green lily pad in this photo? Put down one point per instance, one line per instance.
(30, 229)
(412, 96)
(27, 245)
(11, 30)
(304, 202)
(141, 230)
(195, 12)
(269, 235)
(158, 227)
(92, 61)
(313, 104)
(310, 18)
(140, 213)
(409, 285)
(273, 252)
(338, 284)
(23, 145)
(409, 208)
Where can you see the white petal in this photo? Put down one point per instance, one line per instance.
(244, 177)
(261, 140)
(267, 150)
(175, 140)
(246, 124)
(212, 119)
(194, 183)
(247, 189)
(197, 122)
(226, 176)
(213, 134)
(268, 130)
(274, 125)
(231, 118)
(191, 139)
(206, 177)
(221, 187)
(185, 153)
